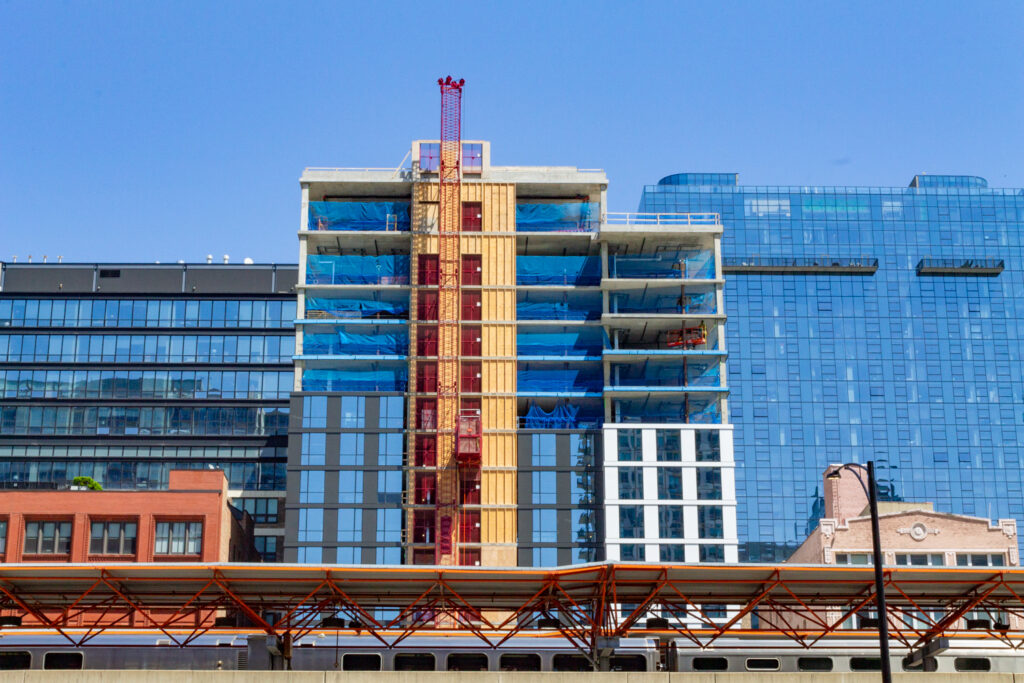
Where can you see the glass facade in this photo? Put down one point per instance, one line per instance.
(868, 323)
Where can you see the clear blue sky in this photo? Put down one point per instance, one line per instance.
(144, 131)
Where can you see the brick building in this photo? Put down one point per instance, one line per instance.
(190, 521)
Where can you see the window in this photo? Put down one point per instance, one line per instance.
(389, 526)
(392, 412)
(428, 269)
(545, 526)
(631, 521)
(472, 217)
(426, 309)
(311, 525)
(65, 660)
(471, 341)
(472, 308)
(472, 269)
(709, 522)
(669, 447)
(388, 556)
(980, 560)
(472, 158)
(350, 449)
(544, 450)
(314, 412)
(390, 448)
(707, 444)
(545, 488)
(389, 486)
(632, 552)
(348, 554)
(262, 510)
(471, 376)
(673, 553)
(920, 559)
(3, 536)
(854, 558)
(112, 538)
(430, 162)
(360, 662)
(353, 412)
(350, 525)
(310, 554)
(630, 444)
(545, 557)
(178, 538)
(47, 538)
(631, 483)
(670, 483)
(11, 660)
(350, 487)
(709, 483)
(670, 521)
(314, 446)
(581, 450)
(266, 546)
(311, 486)
(712, 553)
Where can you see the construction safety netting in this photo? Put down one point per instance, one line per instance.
(354, 269)
(688, 263)
(372, 377)
(538, 378)
(359, 215)
(536, 306)
(560, 217)
(654, 301)
(561, 416)
(558, 270)
(696, 410)
(567, 342)
(359, 341)
(354, 307)
(699, 373)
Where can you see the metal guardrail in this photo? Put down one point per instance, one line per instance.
(960, 266)
(822, 265)
(629, 218)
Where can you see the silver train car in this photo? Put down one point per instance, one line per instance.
(332, 651)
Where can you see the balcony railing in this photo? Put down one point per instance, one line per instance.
(781, 265)
(958, 266)
(626, 218)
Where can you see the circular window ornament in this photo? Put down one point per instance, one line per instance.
(918, 531)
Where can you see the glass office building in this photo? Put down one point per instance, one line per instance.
(123, 372)
(868, 323)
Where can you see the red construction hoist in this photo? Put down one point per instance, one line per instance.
(458, 435)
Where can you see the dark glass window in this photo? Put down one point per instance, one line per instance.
(630, 444)
(113, 538)
(670, 521)
(631, 483)
(47, 538)
(178, 538)
(669, 447)
(709, 483)
(631, 521)
(709, 522)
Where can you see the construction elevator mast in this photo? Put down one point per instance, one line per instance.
(449, 317)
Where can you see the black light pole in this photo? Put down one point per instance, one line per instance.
(876, 541)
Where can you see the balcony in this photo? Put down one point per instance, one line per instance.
(359, 216)
(665, 301)
(662, 219)
(961, 267)
(778, 265)
(695, 264)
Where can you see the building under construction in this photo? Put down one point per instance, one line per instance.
(493, 369)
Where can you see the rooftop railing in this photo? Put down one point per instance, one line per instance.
(626, 218)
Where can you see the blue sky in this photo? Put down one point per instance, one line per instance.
(144, 131)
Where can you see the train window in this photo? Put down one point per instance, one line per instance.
(814, 663)
(972, 664)
(15, 660)
(865, 664)
(360, 662)
(414, 661)
(62, 660)
(628, 663)
(467, 661)
(710, 664)
(762, 664)
(516, 662)
(565, 662)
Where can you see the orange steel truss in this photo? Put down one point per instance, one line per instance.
(586, 604)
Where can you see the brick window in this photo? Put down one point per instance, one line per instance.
(47, 538)
(472, 269)
(178, 538)
(426, 305)
(113, 538)
(471, 340)
(471, 380)
(427, 273)
(472, 217)
(472, 307)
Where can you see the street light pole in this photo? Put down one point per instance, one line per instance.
(876, 541)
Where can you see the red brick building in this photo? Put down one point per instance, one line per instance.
(190, 521)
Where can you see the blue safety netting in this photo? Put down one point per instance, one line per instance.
(354, 307)
(534, 378)
(558, 270)
(582, 342)
(358, 341)
(532, 306)
(352, 269)
(359, 215)
(561, 416)
(560, 217)
(666, 302)
(372, 378)
(691, 263)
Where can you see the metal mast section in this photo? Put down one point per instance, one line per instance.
(449, 315)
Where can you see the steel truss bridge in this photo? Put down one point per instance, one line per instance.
(588, 605)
